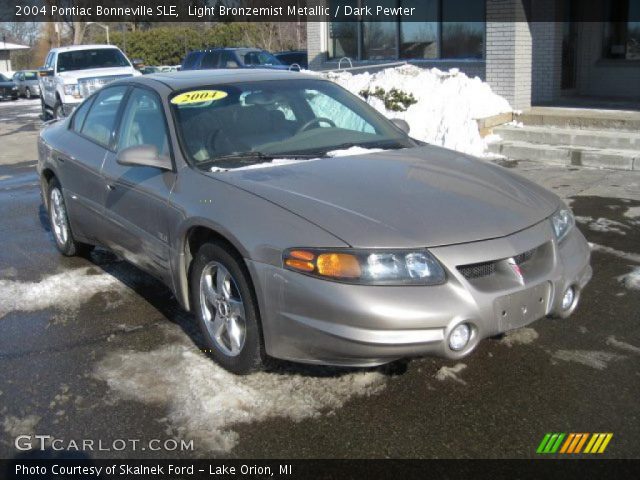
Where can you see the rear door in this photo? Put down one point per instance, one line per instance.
(80, 155)
(136, 203)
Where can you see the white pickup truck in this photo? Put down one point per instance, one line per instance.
(71, 74)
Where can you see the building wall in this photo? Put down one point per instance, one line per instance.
(597, 76)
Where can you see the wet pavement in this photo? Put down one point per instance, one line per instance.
(93, 349)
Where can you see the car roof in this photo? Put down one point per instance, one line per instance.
(232, 49)
(72, 48)
(199, 78)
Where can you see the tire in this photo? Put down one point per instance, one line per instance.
(58, 110)
(59, 222)
(226, 309)
(27, 94)
(45, 114)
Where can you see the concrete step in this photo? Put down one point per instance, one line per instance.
(602, 139)
(585, 118)
(568, 155)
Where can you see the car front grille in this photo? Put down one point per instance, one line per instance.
(486, 269)
(89, 85)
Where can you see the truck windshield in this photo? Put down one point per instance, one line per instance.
(92, 58)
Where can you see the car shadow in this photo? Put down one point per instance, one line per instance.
(162, 299)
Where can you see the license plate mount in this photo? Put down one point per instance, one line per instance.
(521, 308)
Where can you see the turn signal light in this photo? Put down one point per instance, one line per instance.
(339, 265)
(299, 264)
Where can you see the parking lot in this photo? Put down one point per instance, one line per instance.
(94, 349)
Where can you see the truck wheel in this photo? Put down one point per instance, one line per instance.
(45, 114)
(58, 110)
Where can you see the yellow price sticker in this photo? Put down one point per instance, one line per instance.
(198, 96)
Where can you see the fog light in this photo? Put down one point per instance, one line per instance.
(568, 298)
(459, 337)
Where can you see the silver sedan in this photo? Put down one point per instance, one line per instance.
(231, 188)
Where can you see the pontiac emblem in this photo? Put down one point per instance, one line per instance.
(516, 269)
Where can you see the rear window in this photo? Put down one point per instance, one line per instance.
(93, 58)
(30, 76)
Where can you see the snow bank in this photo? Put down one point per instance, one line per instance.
(448, 103)
(204, 402)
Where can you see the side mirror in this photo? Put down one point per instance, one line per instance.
(401, 124)
(144, 156)
(45, 72)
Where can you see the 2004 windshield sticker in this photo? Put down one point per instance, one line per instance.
(198, 96)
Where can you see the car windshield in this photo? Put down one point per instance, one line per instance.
(94, 58)
(30, 76)
(3, 78)
(259, 58)
(269, 119)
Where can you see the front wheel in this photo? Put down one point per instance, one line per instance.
(27, 94)
(226, 309)
(59, 221)
(58, 110)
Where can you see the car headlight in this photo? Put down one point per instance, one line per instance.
(367, 267)
(15, 87)
(562, 222)
(71, 90)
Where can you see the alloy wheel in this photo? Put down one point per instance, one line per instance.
(59, 217)
(223, 309)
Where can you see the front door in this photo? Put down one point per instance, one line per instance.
(136, 202)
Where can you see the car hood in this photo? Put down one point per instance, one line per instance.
(74, 75)
(426, 196)
(7, 84)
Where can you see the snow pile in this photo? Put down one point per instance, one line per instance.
(448, 103)
(451, 373)
(631, 280)
(204, 402)
(521, 336)
(594, 359)
(66, 291)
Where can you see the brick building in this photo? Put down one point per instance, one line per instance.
(526, 50)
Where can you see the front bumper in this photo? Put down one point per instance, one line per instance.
(309, 320)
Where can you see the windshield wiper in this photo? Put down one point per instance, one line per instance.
(253, 157)
(384, 144)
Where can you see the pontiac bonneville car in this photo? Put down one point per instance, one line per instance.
(227, 186)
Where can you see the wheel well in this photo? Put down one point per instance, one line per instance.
(45, 179)
(194, 239)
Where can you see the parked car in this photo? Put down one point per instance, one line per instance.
(71, 74)
(149, 70)
(359, 260)
(27, 83)
(231, 58)
(8, 88)
(294, 57)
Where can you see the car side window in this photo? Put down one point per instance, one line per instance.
(191, 60)
(79, 115)
(100, 121)
(210, 60)
(143, 122)
(229, 60)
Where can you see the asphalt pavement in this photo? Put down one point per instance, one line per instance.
(93, 350)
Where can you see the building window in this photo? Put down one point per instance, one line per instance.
(443, 36)
(622, 34)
